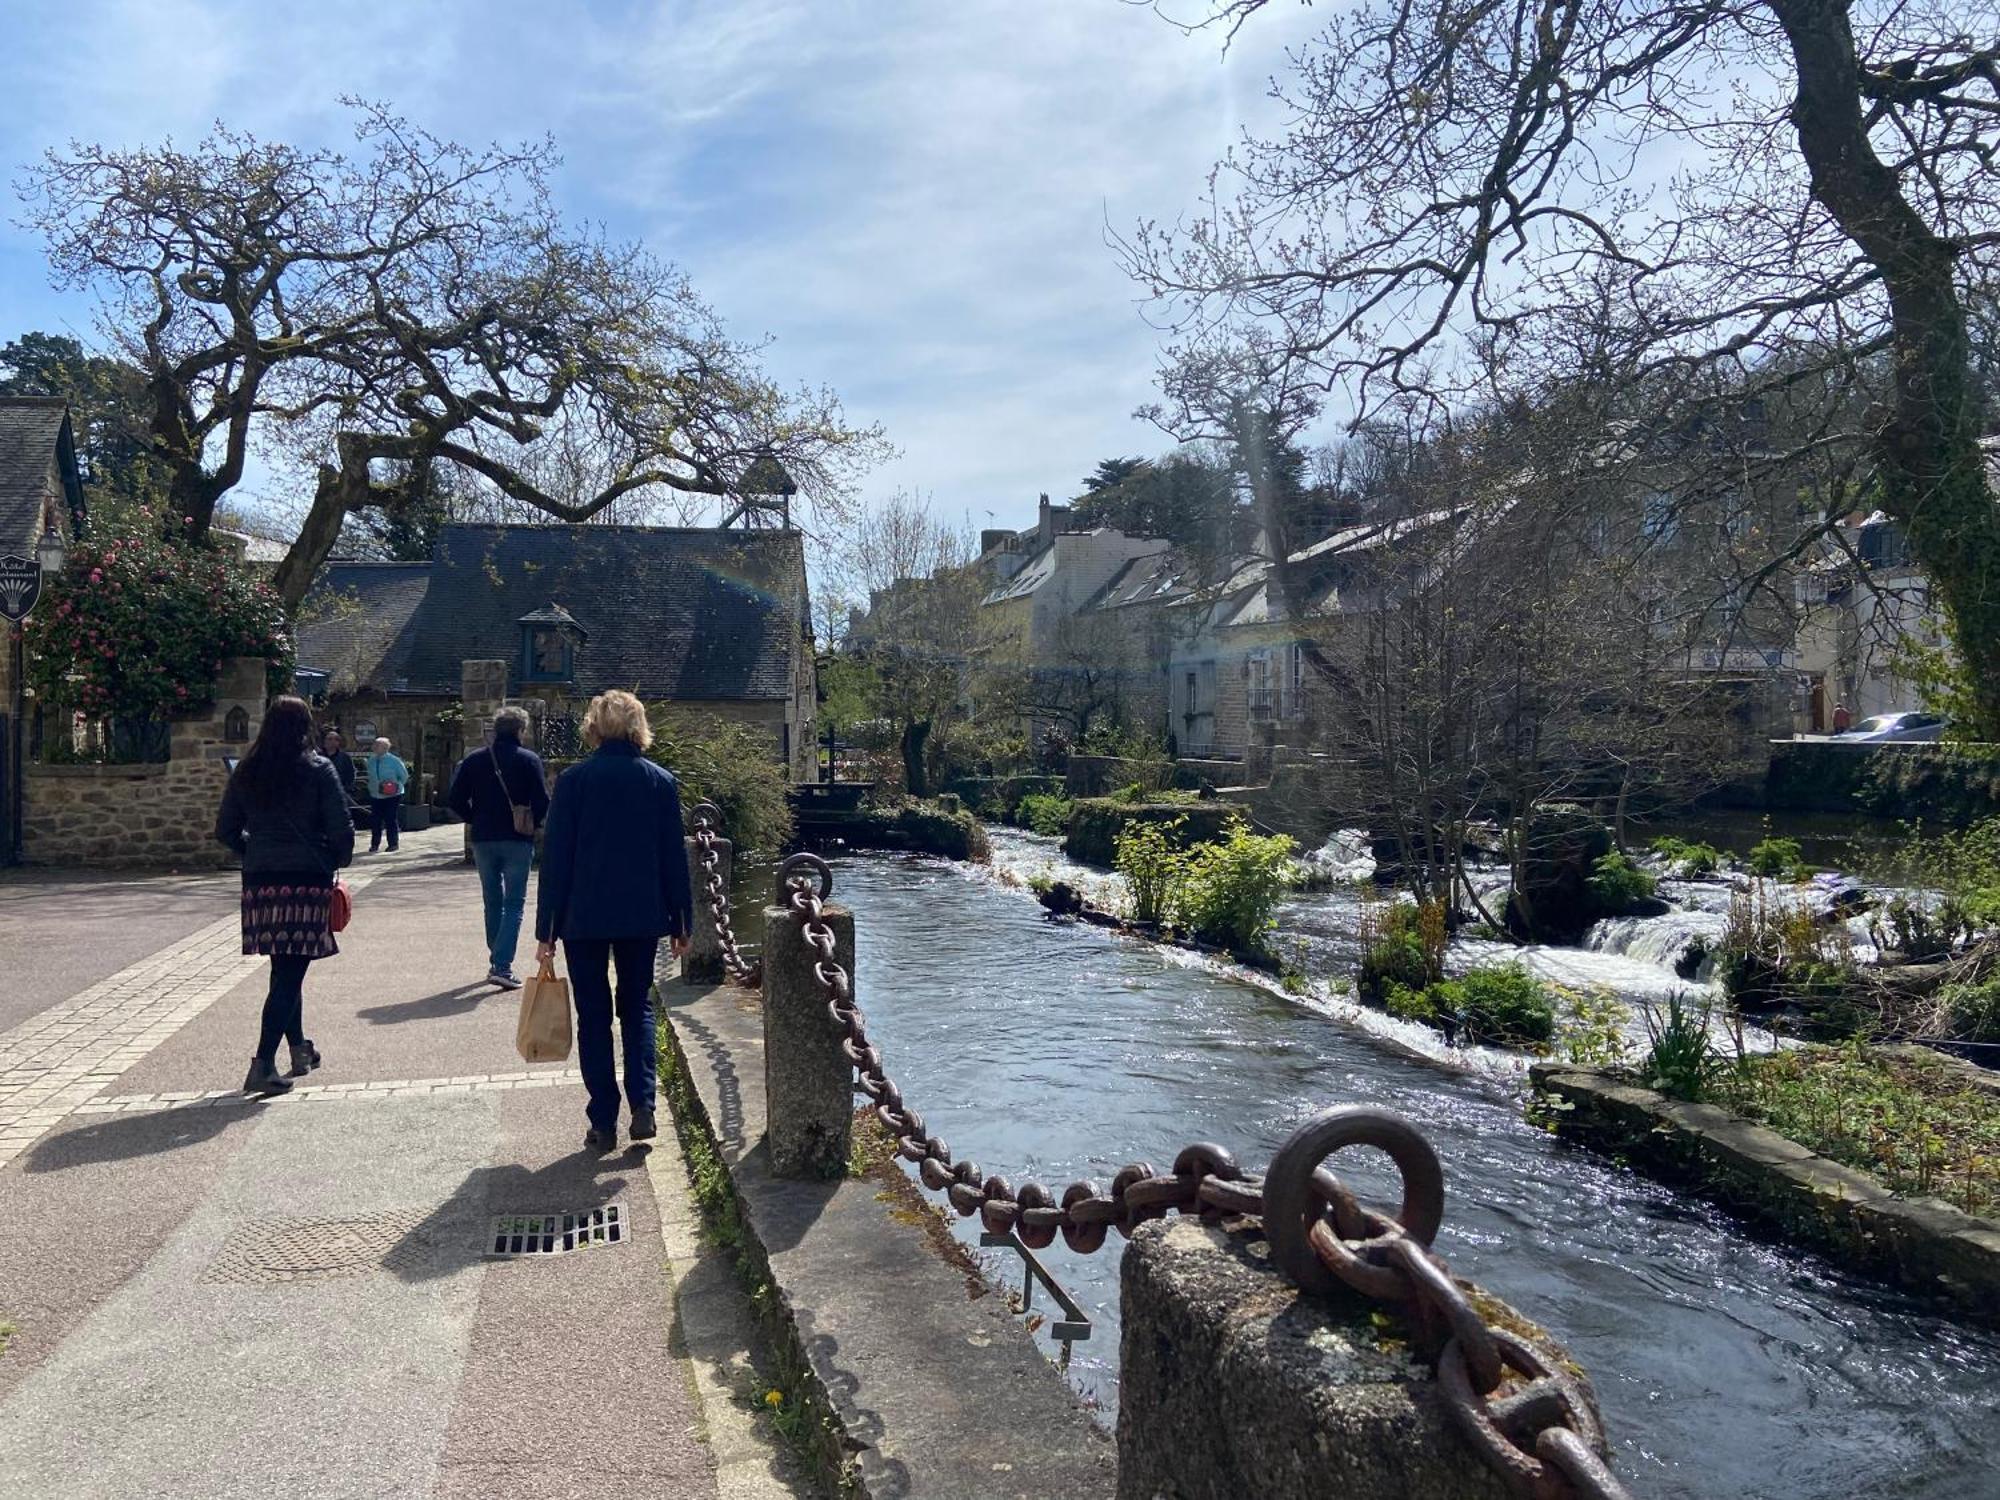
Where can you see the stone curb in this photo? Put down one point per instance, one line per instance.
(1922, 1245)
(915, 1390)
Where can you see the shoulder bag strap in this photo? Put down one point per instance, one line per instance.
(505, 790)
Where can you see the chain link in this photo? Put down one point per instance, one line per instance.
(1526, 1417)
(707, 818)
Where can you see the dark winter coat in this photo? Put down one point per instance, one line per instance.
(304, 830)
(614, 855)
(476, 793)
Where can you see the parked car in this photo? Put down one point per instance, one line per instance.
(1903, 729)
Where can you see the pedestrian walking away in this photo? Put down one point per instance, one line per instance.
(1842, 719)
(284, 814)
(388, 779)
(614, 882)
(502, 793)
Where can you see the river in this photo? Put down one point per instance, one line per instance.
(1726, 1366)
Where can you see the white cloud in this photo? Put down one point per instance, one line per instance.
(909, 196)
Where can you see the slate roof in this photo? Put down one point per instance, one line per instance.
(32, 429)
(358, 626)
(669, 612)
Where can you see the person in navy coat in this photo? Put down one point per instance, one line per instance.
(614, 883)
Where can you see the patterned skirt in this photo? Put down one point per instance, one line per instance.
(290, 915)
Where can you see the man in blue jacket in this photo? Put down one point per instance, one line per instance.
(614, 882)
(502, 791)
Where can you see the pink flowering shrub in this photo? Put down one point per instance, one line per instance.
(138, 624)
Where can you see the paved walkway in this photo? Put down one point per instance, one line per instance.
(214, 1297)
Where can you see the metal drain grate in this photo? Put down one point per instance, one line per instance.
(284, 1250)
(555, 1234)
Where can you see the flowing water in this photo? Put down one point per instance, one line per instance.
(1726, 1366)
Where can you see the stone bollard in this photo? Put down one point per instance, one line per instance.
(703, 964)
(1235, 1383)
(808, 1081)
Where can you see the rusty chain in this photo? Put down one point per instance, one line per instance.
(706, 818)
(1528, 1419)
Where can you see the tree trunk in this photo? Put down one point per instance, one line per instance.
(915, 734)
(1933, 479)
(332, 497)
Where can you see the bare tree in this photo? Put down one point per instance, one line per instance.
(415, 303)
(917, 573)
(1783, 196)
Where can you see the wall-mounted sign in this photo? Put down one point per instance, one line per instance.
(20, 586)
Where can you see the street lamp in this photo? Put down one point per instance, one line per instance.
(51, 552)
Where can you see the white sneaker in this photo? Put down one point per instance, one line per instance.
(504, 978)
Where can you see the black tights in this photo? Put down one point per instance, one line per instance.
(284, 1006)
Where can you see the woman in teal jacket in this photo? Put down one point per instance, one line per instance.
(388, 779)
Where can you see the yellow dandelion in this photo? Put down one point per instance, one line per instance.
(774, 1398)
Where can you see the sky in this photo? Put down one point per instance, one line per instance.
(910, 198)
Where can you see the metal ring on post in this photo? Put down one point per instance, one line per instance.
(705, 816)
(1291, 1207)
(797, 865)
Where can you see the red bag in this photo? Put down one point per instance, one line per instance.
(341, 910)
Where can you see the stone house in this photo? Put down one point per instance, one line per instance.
(40, 486)
(712, 619)
(1035, 618)
(1861, 606)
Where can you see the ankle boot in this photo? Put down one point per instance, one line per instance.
(305, 1057)
(263, 1079)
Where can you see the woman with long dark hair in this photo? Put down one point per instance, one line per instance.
(285, 814)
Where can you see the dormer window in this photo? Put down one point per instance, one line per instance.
(549, 641)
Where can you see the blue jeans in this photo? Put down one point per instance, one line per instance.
(503, 881)
(590, 960)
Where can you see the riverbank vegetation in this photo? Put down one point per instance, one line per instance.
(1913, 1120)
(730, 764)
(1223, 892)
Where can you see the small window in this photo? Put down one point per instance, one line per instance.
(236, 725)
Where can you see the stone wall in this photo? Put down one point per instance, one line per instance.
(145, 815)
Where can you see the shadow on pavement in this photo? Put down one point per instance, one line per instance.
(129, 1136)
(452, 1002)
(453, 1235)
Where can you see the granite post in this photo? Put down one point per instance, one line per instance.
(808, 1081)
(703, 964)
(1235, 1383)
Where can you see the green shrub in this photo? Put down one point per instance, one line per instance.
(1406, 1004)
(1972, 1010)
(1402, 946)
(1503, 1003)
(138, 623)
(732, 765)
(1617, 885)
(1043, 812)
(1681, 1062)
(1593, 1031)
(1228, 891)
(1777, 857)
(1688, 861)
(1151, 860)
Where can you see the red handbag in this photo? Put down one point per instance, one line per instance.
(341, 910)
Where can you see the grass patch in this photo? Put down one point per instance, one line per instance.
(796, 1408)
(7, 1332)
(1914, 1123)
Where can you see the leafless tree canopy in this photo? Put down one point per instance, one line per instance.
(1785, 198)
(410, 303)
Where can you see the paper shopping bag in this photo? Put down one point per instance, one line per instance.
(542, 1034)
